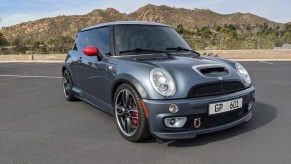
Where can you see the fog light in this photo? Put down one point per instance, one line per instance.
(172, 121)
(175, 122)
(173, 108)
(250, 105)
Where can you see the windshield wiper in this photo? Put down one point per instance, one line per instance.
(139, 50)
(182, 49)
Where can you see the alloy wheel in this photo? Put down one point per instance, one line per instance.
(126, 112)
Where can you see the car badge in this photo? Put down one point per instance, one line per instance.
(220, 78)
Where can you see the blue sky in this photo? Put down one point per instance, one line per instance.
(17, 11)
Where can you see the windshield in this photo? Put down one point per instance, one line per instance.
(146, 37)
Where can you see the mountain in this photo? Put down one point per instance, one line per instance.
(47, 28)
(197, 18)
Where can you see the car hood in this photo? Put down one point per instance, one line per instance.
(190, 66)
(185, 70)
(181, 62)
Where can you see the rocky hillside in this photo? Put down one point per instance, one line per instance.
(197, 18)
(47, 28)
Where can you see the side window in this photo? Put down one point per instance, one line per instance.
(100, 39)
(80, 41)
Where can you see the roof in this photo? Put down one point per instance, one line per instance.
(125, 23)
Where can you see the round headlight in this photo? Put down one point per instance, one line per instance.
(243, 73)
(162, 82)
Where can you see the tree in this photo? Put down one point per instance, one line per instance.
(278, 42)
(287, 37)
(61, 43)
(180, 28)
(18, 46)
(206, 33)
(232, 27)
(218, 28)
(3, 41)
(248, 45)
(229, 32)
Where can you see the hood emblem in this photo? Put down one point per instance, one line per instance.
(220, 78)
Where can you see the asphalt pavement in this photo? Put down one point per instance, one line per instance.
(37, 124)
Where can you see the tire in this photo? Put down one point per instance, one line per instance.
(67, 86)
(141, 131)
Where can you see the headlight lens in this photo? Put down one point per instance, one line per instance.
(162, 82)
(243, 73)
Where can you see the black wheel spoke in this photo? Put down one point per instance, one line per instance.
(122, 121)
(128, 125)
(125, 98)
(66, 79)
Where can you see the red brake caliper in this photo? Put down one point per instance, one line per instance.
(134, 120)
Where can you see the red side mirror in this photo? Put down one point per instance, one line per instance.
(91, 51)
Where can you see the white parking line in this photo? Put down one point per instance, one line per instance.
(267, 62)
(25, 76)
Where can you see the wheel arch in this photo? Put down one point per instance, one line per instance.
(131, 81)
(66, 67)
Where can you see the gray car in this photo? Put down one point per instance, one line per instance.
(153, 83)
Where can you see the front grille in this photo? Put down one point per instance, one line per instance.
(215, 89)
(217, 119)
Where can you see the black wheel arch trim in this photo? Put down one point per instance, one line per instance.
(126, 78)
(66, 67)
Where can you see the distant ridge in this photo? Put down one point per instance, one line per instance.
(47, 28)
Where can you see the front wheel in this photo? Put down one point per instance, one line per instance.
(129, 114)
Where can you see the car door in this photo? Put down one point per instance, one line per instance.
(92, 71)
(74, 57)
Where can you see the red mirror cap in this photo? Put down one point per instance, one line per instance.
(91, 51)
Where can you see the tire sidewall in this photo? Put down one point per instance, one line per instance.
(69, 97)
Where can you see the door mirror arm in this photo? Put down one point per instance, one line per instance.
(99, 57)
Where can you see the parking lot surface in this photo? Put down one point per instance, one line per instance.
(37, 124)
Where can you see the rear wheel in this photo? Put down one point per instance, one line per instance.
(67, 86)
(129, 114)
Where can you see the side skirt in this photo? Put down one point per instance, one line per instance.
(93, 101)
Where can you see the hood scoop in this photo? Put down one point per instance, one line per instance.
(212, 70)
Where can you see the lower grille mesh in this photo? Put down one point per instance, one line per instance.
(215, 89)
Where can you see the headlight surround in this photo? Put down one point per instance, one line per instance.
(243, 73)
(162, 82)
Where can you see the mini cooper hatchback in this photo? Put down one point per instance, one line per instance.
(153, 83)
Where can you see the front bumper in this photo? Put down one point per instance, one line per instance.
(192, 108)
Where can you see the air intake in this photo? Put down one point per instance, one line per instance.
(214, 72)
(213, 89)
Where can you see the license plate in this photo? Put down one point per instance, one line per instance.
(226, 106)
